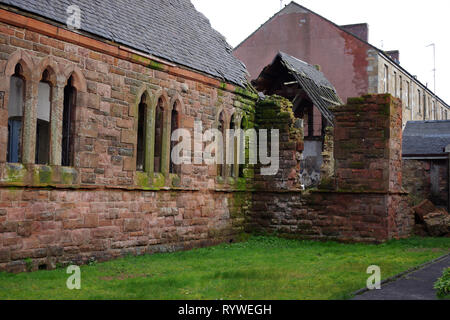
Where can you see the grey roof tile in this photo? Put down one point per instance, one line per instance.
(426, 138)
(170, 29)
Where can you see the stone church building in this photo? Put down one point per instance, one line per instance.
(86, 116)
(85, 123)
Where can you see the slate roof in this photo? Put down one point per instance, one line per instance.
(321, 92)
(426, 138)
(170, 29)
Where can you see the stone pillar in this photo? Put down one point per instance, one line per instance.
(29, 123)
(276, 113)
(4, 90)
(327, 168)
(368, 144)
(56, 125)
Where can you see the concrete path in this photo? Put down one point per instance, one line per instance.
(417, 285)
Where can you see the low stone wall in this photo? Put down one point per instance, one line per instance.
(50, 227)
(346, 217)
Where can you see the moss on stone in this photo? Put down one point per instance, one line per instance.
(68, 176)
(246, 93)
(385, 109)
(142, 179)
(327, 183)
(175, 180)
(156, 65)
(159, 180)
(356, 100)
(15, 173)
(45, 175)
(220, 180)
(357, 165)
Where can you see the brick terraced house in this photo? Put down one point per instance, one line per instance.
(345, 56)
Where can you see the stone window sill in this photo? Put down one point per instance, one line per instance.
(17, 174)
(231, 184)
(44, 176)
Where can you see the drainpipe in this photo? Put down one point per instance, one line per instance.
(447, 150)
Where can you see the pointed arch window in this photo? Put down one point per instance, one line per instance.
(142, 123)
(174, 125)
(159, 131)
(42, 151)
(221, 127)
(243, 146)
(15, 115)
(233, 146)
(68, 135)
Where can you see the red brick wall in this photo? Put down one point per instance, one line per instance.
(309, 37)
(360, 30)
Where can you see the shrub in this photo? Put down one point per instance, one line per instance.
(443, 285)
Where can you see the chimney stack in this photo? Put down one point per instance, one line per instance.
(395, 55)
(360, 30)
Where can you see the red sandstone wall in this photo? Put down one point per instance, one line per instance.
(64, 226)
(306, 36)
(102, 208)
(108, 91)
(322, 216)
(364, 201)
(426, 179)
(368, 142)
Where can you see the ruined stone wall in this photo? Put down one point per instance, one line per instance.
(327, 215)
(276, 113)
(102, 207)
(363, 202)
(368, 140)
(426, 179)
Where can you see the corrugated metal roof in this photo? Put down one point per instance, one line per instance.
(170, 29)
(426, 138)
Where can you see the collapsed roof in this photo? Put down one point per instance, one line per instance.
(169, 29)
(422, 139)
(285, 70)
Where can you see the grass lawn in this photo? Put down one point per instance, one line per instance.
(260, 268)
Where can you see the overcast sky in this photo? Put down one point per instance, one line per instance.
(406, 25)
